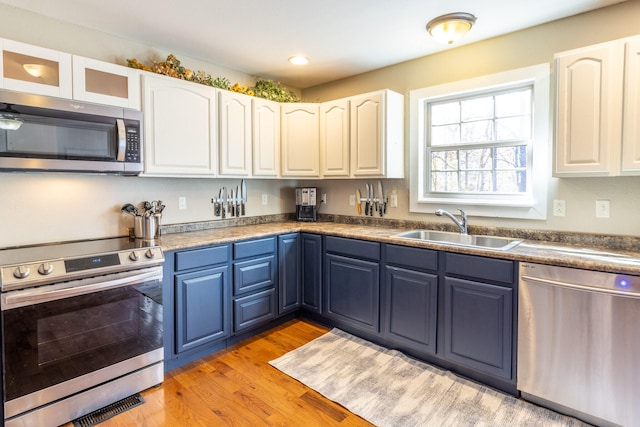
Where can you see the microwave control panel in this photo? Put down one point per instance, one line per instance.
(132, 153)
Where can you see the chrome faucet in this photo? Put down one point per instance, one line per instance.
(462, 223)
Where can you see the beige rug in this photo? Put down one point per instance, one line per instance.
(388, 388)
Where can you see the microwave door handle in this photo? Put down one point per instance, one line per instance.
(122, 140)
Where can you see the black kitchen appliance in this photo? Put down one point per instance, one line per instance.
(306, 206)
(81, 327)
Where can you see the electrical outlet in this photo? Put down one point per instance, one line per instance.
(265, 198)
(393, 200)
(602, 209)
(352, 200)
(323, 198)
(182, 203)
(558, 208)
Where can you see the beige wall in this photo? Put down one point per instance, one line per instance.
(41, 207)
(528, 47)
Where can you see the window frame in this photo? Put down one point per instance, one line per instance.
(533, 204)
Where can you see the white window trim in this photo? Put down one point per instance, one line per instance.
(534, 206)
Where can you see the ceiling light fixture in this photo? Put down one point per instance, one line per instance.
(36, 70)
(9, 119)
(451, 27)
(298, 60)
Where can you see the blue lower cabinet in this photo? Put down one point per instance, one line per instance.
(254, 310)
(311, 265)
(202, 307)
(352, 292)
(411, 309)
(478, 326)
(289, 273)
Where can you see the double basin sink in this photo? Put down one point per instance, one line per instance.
(459, 239)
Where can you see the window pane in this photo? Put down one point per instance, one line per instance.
(480, 131)
(445, 135)
(477, 108)
(445, 113)
(444, 160)
(513, 128)
(511, 157)
(444, 182)
(511, 181)
(514, 103)
(475, 182)
(476, 159)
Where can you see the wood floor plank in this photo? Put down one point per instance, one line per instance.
(238, 387)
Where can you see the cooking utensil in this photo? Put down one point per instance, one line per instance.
(358, 202)
(129, 209)
(243, 189)
(381, 201)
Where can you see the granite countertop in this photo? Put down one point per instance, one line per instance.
(557, 250)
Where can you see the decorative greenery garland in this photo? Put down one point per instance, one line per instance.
(171, 67)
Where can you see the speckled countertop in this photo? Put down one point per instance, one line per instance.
(617, 254)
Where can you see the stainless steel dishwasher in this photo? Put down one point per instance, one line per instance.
(579, 343)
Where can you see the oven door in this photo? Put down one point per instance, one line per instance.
(59, 340)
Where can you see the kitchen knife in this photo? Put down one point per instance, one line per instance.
(232, 198)
(381, 201)
(223, 202)
(243, 192)
(358, 201)
(237, 201)
(216, 203)
(367, 201)
(370, 213)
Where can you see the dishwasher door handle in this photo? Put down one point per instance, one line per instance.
(585, 288)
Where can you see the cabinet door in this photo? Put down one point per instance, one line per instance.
(631, 109)
(289, 274)
(202, 304)
(352, 292)
(377, 135)
(105, 83)
(478, 326)
(34, 69)
(411, 308)
(180, 127)
(334, 138)
(589, 111)
(234, 111)
(311, 255)
(300, 136)
(266, 138)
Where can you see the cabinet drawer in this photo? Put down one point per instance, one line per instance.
(424, 259)
(201, 257)
(254, 274)
(351, 247)
(253, 248)
(253, 310)
(491, 269)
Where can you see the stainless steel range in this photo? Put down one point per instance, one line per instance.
(81, 327)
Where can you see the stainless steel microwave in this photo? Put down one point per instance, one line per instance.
(39, 133)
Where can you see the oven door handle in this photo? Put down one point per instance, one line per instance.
(21, 298)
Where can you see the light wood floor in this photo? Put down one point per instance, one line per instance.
(237, 387)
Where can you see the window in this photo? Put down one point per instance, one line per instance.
(479, 144)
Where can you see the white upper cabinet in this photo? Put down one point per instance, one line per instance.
(179, 127)
(334, 138)
(597, 110)
(266, 138)
(33, 69)
(300, 139)
(631, 109)
(105, 83)
(234, 130)
(377, 135)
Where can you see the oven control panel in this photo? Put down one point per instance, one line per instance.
(38, 273)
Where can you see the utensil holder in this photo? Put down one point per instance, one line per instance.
(147, 227)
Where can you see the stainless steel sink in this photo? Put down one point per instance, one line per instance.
(485, 242)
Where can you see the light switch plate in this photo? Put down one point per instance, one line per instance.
(602, 209)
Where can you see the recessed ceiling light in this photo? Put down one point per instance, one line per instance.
(298, 60)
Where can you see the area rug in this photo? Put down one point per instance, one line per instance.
(388, 388)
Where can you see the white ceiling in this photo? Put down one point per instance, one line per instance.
(341, 38)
